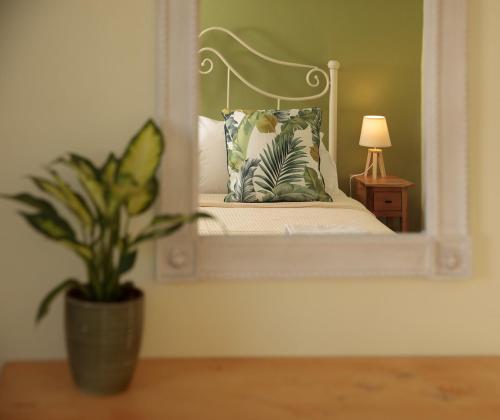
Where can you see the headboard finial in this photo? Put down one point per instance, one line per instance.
(333, 64)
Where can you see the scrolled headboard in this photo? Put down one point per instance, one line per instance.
(313, 79)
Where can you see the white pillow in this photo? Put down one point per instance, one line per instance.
(213, 160)
(328, 169)
(212, 156)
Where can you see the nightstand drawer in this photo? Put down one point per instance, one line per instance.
(387, 201)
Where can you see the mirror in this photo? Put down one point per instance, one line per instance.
(289, 163)
(302, 110)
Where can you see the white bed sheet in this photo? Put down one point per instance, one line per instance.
(342, 216)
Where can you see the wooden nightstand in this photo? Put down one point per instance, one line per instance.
(384, 197)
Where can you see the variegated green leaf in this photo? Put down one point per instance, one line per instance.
(32, 201)
(126, 262)
(109, 169)
(168, 218)
(125, 184)
(74, 201)
(158, 233)
(45, 304)
(54, 227)
(49, 188)
(95, 192)
(167, 224)
(89, 178)
(143, 198)
(118, 193)
(51, 225)
(142, 156)
(176, 217)
(82, 250)
(84, 165)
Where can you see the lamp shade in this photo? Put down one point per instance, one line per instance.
(374, 132)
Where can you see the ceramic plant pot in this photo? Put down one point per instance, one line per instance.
(103, 341)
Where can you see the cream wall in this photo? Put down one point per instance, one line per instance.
(78, 75)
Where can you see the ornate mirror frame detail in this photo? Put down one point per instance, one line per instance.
(443, 249)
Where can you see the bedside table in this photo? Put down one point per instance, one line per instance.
(384, 197)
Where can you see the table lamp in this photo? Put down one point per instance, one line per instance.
(375, 136)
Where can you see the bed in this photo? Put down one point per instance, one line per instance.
(341, 216)
(338, 214)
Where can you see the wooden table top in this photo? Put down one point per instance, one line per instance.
(267, 388)
(384, 181)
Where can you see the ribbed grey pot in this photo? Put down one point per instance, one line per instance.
(103, 341)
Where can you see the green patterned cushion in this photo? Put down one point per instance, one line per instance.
(273, 155)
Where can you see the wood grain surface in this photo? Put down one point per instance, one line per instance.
(267, 388)
(386, 181)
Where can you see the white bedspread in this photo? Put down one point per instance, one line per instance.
(342, 216)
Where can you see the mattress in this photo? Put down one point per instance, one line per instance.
(342, 216)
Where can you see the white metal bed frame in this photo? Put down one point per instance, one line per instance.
(312, 80)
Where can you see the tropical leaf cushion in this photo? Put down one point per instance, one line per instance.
(273, 155)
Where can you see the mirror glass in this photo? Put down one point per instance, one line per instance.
(265, 167)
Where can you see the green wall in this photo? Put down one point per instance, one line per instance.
(378, 43)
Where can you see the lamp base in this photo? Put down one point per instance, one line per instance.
(375, 159)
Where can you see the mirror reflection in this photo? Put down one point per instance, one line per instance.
(310, 117)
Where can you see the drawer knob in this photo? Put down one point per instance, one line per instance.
(388, 201)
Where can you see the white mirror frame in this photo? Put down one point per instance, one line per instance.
(443, 249)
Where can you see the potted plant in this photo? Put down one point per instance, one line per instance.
(103, 316)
